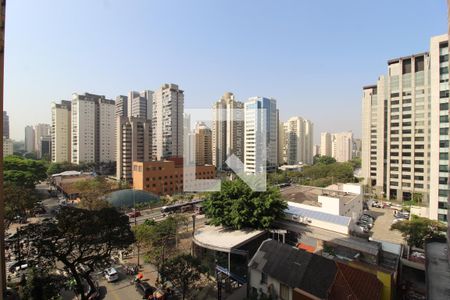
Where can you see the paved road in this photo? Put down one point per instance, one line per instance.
(381, 229)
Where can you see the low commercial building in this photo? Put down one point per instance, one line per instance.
(227, 251)
(166, 177)
(283, 272)
(65, 182)
(335, 208)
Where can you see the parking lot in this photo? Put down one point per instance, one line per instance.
(381, 229)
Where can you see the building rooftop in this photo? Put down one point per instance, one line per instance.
(437, 271)
(309, 195)
(317, 215)
(222, 239)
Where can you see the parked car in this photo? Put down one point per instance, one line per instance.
(377, 204)
(134, 214)
(145, 289)
(111, 275)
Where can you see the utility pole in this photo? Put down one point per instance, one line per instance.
(2, 200)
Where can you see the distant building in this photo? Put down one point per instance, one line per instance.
(7, 147)
(261, 132)
(316, 150)
(40, 130)
(61, 132)
(325, 144)
(45, 147)
(165, 177)
(227, 130)
(297, 136)
(342, 146)
(167, 122)
(203, 147)
(93, 129)
(140, 104)
(5, 124)
(29, 139)
(357, 148)
(134, 143)
(121, 106)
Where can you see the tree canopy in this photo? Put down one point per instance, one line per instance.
(92, 193)
(324, 159)
(418, 229)
(81, 240)
(237, 206)
(183, 271)
(23, 172)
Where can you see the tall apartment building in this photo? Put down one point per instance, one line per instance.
(134, 143)
(29, 139)
(342, 146)
(298, 141)
(140, 104)
(325, 144)
(203, 146)
(282, 143)
(8, 147)
(40, 131)
(121, 106)
(440, 148)
(5, 124)
(93, 129)
(45, 146)
(397, 124)
(261, 132)
(316, 150)
(167, 122)
(61, 132)
(227, 130)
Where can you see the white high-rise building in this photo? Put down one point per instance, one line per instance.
(140, 104)
(93, 129)
(121, 106)
(227, 130)
(61, 132)
(342, 146)
(297, 135)
(134, 143)
(261, 132)
(440, 132)
(8, 146)
(167, 122)
(29, 139)
(40, 131)
(325, 144)
(404, 135)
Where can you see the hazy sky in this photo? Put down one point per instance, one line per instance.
(312, 56)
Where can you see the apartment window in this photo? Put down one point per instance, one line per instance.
(407, 108)
(419, 154)
(406, 66)
(406, 123)
(443, 168)
(443, 119)
(406, 153)
(419, 64)
(394, 139)
(419, 131)
(407, 101)
(443, 205)
(394, 168)
(406, 176)
(406, 169)
(406, 161)
(394, 124)
(263, 278)
(418, 185)
(419, 146)
(394, 110)
(443, 131)
(395, 102)
(418, 177)
(394, 153)
(443, 180)
(284, 292)
(393, 183)
(396, 117)
(406, 139)
(395, 176)
(406, 184)
(395, 95)
(394, 146)
(442, 218)
(443, 58)
(394, 131)
(418, 162)
(443, 193)
(419, 138)
(420, 170)
(408, 116)
(443, 144)
(394, 161)
(443, 156)
(406, 131)
(443, 94)
(406, 146)
(443, 70)
(443, 106)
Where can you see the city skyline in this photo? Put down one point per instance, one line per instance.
(254, 53)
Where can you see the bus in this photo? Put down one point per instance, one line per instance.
(180, 207)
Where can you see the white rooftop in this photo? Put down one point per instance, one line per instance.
(221, 239)
(67, 173)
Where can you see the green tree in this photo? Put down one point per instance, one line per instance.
(23, 172)
(324, 159)
(42, 285)
(183, 271)
(92, 193)
(237, 206)
(418, 229)
(277, 177)
(80, 240)
(18, 201)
